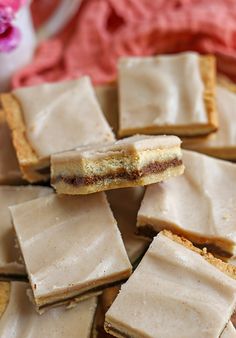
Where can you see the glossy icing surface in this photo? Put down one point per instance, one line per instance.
(20, 320)
(9, 254)
(68, 245)
(174, 292)
(200, 202)
(62, 116)
(156, 91)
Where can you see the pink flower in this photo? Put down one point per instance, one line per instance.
(9, 34)
(13, 4)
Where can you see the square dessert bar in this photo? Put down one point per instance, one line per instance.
(51, 118)
(221, 144)
(134, 161)
(18, 318)
(71, 246)
(176, 291)
(167, 94)
(11, 265)
(9, 168)
(199, 205)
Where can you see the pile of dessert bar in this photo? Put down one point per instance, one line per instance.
(134, 237)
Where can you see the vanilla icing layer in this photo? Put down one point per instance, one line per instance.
(156, 91)
(199, 204)
(226, 134)
(21, 321)
(174, 292)
(62, 116)
(66, 248)
(229, 331)
(9, 168)
(125, 204)
(9, 255)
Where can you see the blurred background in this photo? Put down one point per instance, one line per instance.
(52, 40)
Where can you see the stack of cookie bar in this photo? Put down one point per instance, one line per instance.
(133, 236)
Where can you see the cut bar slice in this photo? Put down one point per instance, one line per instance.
(167, 94)
(199, 205)
(134, 161)
(50, 118)
(71, 246)
(18, 318)
(11, 266)
(176, 291)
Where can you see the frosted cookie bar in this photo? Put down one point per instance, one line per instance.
(167, 94)
(51, 118)
(199, 205)
(125, 204)
(9, 168)
(11, 266)
(176, 291)
(64, 241)
(137, 160)
(221, 144)
(18, 318)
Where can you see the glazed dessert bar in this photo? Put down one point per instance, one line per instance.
(199, 205)
(11, 266)
(176, 291)
(137, 160)
(18, 318)
(223, 143)
(167, 94)
(65, 242)
(51, 118)
(125, 204)
(9, 168)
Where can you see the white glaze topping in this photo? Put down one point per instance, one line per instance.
(9, 255)
(200, 202)
(174, 292)
(20, 320)
(68, 243)
(161, 90)
(62, 116)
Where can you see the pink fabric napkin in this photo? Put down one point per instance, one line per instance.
(104, 30)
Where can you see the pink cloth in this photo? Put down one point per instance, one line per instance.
(104, 30)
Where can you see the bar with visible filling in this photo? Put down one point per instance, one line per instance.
(176, 291)
(11, 265)
(167, 94)
(66, 245)
(221, 144)
(50, 118)
(199, 205)
(134, 161)
(18, 318)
